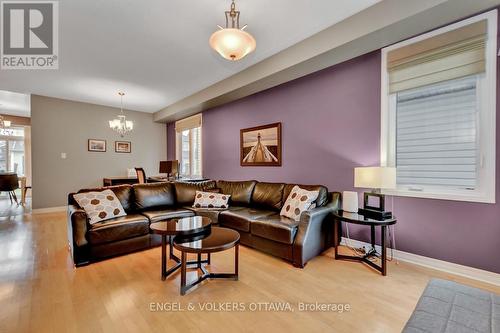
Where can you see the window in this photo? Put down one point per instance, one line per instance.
(12, 150)
(188, 149)
(438, 112)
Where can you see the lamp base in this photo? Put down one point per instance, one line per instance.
(375, 214)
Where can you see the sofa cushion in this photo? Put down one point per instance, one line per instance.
(153, 195)
(268, 195)
(275, 227)
(212, 213)
(185, 192)
(240, 219)
(297, 202)
(167, 214)
(210, 200)
(240, 192)
(322, 196)
(119, 228)
(100, 206)
(124, 193)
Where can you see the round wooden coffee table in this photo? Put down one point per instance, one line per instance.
(187, 226)
(217, 240)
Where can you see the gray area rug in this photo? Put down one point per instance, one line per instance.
(450, 307)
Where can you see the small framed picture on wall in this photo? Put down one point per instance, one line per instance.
(123, 146)
(96, 145)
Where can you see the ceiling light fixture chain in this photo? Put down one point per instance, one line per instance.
(234, 15)
(121, 101)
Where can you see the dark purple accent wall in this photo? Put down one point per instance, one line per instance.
(171, 141)
(331, 124)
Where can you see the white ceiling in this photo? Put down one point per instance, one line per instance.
(157, 51)
(14, 104)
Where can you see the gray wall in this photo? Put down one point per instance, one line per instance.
(65, 126)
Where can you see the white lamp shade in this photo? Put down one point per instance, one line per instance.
(375, 177)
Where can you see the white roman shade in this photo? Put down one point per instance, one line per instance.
(437, 135)
(450, 55)
(188, 123)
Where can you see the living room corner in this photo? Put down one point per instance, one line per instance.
(206, 167)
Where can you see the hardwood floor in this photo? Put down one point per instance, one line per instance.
(40, 291)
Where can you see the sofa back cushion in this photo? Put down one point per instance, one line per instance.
(100, 206)
(240, 192)
(152, 195)
(124, 193)
(185, 192)
(322, 197)
(268, 195)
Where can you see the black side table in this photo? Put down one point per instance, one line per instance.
(187, 226)
(355, 218)
(216, 240)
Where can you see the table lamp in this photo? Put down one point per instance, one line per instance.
(376, 178)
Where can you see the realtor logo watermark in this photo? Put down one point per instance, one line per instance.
(29, 35)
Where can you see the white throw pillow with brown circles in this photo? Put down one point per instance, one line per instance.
(210, 200)
(297, 202)
(100, 206)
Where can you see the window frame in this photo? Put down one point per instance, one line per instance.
(485, 192)
(178, 152)
(14, 138)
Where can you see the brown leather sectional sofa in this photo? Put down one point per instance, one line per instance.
(253, 212)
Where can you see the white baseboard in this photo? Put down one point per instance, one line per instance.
(440, 265)
(50, 210)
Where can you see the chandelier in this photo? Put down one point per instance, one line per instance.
(121, 125)
(231, 42)
(4, 123)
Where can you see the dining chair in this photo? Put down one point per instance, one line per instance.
(141, 175)
(9, 182)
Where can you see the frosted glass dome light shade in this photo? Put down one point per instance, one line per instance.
(232, 44)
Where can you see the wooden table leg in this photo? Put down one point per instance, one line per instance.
(163, 257)
(384, 249)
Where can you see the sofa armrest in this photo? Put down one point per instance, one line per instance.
(77, 235)
(314, 233)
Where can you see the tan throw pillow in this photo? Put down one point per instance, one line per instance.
(297, 202)
(100, 206)
(210, 200)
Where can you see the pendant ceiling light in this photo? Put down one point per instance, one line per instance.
(232, 42)
(4, 124)
(121, 124)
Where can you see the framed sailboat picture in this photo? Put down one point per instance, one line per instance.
(261, 145)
